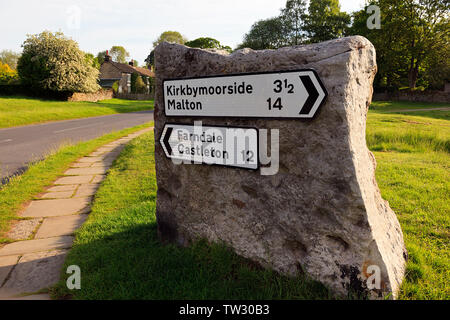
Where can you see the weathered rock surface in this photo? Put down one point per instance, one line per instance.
(322, 212)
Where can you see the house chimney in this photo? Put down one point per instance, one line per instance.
(131, 63)
(107, 56)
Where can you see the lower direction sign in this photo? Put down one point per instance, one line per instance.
(227, 146)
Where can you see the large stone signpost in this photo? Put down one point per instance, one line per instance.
(308, 201)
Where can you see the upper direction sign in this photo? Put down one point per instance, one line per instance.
(283, 94)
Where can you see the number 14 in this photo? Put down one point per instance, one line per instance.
(276, 105)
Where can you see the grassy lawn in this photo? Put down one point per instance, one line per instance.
(17, 111)
(121, 258)
(412, 152)
(23, 188)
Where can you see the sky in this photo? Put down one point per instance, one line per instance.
(135, 24)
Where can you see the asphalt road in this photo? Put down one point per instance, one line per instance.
(20, 146)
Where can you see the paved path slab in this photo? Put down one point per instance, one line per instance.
(80, 165)
(57, 195)
(30, 246)
(60, 226)
(90, 159)
(67, 187)
(74, 180)
(86, 190)
(85, 171)
(34, 272)
(6, 266)
(58, 207)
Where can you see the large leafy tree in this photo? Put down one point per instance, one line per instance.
(54, 62)
(170, 36)
(412, 43)
(101, 57)
(266, 34)
(119, 54)
(325, 20)
(207, 43)
(295, 25)
(293, 17)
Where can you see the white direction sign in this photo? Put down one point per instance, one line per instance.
(228, 146)
(284, 94)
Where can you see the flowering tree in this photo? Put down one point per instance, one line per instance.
(54, 62)
(7, 75)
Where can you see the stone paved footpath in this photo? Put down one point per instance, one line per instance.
(34, 261)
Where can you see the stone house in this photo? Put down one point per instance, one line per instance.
(111, 72)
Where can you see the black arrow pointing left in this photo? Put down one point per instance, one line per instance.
(166, 140)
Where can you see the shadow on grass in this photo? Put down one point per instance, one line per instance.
(128, 262)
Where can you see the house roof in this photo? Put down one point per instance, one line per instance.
(144, 71)
(126, 68)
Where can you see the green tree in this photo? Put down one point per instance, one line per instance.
(10, 58)
(54, 62)
(93, 61)
(293, 17)
(325, 20)
(101, 57)
(207, 43)
(411, 43)
(437, 67)
(119, 54)
(266, 34)
(170, 36)
(426, 30)
(150, 60)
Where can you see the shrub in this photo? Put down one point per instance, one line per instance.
(133, 80)
(8, 75)
(50, 61)
(115, 87)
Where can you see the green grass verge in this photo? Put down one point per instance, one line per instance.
(23, 188)
(402, 107)
(121, 257)
(17, 111)
(413, 157)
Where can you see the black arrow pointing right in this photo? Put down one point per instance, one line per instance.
(313, 94)
(166, 140)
